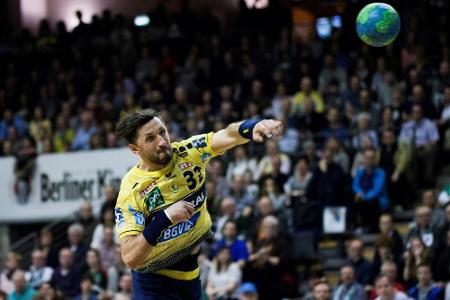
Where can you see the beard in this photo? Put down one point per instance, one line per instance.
(162, 158)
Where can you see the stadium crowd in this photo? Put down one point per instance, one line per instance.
(366, 133)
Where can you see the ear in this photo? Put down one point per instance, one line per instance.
(133, 148)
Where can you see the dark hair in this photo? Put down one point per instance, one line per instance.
(128, 125)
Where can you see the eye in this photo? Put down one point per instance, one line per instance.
(162, 131)
(149, 138)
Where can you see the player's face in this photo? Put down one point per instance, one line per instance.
(153, 143)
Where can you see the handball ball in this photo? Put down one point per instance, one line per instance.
(378, 24)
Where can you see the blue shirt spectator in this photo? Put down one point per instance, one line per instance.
(15, 120)
(238, 248)
(21, 290)
(84, 133)
(425, 289)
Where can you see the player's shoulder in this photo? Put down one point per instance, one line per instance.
(192, 145)
(129, 182)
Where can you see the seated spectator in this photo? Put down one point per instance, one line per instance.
(270, 189)
(116, 271)
(12, 120)
(106, 221)
(83, 134)
(339, 155)
(313, 276)
(110, 199)
(240, 195)
(296, 185)
(424, 228)
(438, 217)
(423, 136)
(40, 125)
(240, 164)
(369, 186)
(334, 128)
(224, 276)
(386, 291)
(39, 273)
(227, 212)
(125, 285)
(76, 245)
(66, 277)
(358, 159)
(331, 72)
(272, 162)
(12, 263)
(394, 158)
(87, 292)
(321, 291)
(48, 292)
(349, 288)
(389, 268)
(387, 229)
(309, 121)
(22, 291)
(95, 271)
(442, 261)
(47, 248)
(87, 220)
(364, 130)
(416, 254)
(328, 184)
(107, 248)
(366, 105)
(306, 92)
(425, 289)
(248, 291)
(265, 266)
(355, 259)
(238, 248)
(63, 136)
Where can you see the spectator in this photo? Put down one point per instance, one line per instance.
(84, 132)
(273, 161)
(227, 212)
(11, 120)
(331, 72)
(237, 247)
(355, 259)
(125, 285)
(322, 291)
(394, 159)
(48, 249)
(307, 92)
(95, 271)
(22, 291)
(296, 185)
(386, 291)
(39, 273)
(423, 136)
(63, 136)
(358, 160)
(349, 288)
(67, 276)
(389, 269)
(116, 271)
(369, 185)
(12, 263)
(309, 122)
(240, 164)
(248, 291)
(224, 276)
(425, 289)
(339, 155)
(334, 128)
(110, 199)
(76, 245)
(424, 228)
(271, 190)
(106, 221)
(87, 221)
(107, 248)
(87, 292)
(414, 256)
(48, 292)
(387, 229)
(365, 105)
(438, 217)
(383, 253)
(364, 130)
(241, 196)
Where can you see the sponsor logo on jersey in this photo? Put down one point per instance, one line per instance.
(138, 216)
(145, 191)
(173, 188)
(154, 199)
(185, 165)
(200, 142)
(118, 217)
(205, 156)
(179, 229)
(180, 152)
(198, 197)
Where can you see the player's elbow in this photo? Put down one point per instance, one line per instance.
(131, 261)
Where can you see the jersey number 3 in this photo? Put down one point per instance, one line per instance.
(190, 177)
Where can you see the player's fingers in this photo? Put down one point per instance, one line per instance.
(190, 207)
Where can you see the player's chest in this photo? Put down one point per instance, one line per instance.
(185, 181)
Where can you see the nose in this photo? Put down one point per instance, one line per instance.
(161, 141)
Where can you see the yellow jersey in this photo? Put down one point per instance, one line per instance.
(142, 194)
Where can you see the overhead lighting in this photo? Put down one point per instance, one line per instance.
(141, 20)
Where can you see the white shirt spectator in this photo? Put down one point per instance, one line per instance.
(225, 278)
(38, 276)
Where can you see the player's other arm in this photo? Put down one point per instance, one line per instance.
(136, 248)
(241, 132)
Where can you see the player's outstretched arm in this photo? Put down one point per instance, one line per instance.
(241, 132)
(136, 248)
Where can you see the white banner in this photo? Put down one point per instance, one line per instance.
(61, 182)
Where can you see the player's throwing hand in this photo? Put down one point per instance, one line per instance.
(180, 211)
(267, 128)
